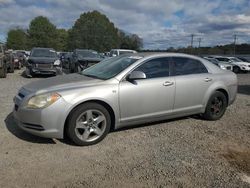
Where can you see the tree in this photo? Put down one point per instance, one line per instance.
(133, 42)
(93, 30)
(62, 39)
(42, 33)
(17, 39)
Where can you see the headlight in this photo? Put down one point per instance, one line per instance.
(223, 67)
(16, 60)
(57, 62)
(43, 100)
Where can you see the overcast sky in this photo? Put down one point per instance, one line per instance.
(161, 23)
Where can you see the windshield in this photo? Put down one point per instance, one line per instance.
(109, 68)
(234, 59)
(87, 53)
(43, 53)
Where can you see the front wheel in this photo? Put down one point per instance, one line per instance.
(236, 69)
(88, 124)
(216, 106)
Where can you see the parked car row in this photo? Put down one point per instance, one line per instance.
(9, 61)
(234, 64)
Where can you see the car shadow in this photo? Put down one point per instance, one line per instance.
(244, 89)
(19, 133)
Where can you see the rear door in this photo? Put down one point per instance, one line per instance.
(192, 82)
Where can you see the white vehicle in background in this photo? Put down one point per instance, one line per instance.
(239, 65)
(224, 66)
(117, 52)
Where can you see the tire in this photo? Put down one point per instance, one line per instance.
(3, 72)
(216, 106)
(236, 69)
(19, 66)
(83, 126)
(12, 68)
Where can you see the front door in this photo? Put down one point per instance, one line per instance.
(150, 97)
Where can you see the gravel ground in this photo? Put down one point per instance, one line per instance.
(186, 152)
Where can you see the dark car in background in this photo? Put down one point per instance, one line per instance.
(17, 61)
(82, 58)
(43, 61)
(65, 58)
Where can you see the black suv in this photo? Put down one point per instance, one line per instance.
(43, 61)
(81, 59)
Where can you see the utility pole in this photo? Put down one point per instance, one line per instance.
(192, 40)
(199, 40)
(235, 40)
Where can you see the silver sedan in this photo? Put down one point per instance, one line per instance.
(123, 91)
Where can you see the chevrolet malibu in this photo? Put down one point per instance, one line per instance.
(123, 91)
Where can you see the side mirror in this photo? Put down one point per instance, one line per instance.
(137, 75)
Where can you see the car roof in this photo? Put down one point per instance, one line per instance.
(38, 48)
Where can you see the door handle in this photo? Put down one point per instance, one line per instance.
(168, 83)
(208, 79)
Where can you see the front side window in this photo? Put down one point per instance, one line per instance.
(186, 66)
(155, 68)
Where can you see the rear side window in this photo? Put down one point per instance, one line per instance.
(222, 59)
(186, 66)
(155, 68)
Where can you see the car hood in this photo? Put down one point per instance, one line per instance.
(42, 59)
(63, 82)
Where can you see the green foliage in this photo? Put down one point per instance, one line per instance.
(17, 39)
(93, 30)
(62, 39)
(42, 33)
(132, 42)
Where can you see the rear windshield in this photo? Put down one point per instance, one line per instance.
(43, 53)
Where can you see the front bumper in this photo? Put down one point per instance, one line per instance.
(245, 68)
(47, 122)
(54, 70)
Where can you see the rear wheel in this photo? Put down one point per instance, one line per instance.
(88, 124)
(12, 68)
(216, 106)
(3, 71)
(19, 66)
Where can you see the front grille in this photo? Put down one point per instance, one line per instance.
(44, 65)
(228, 68)
(33, 126)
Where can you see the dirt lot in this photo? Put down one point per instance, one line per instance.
(187, 152)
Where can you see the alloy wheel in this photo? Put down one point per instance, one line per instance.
(90, 125)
